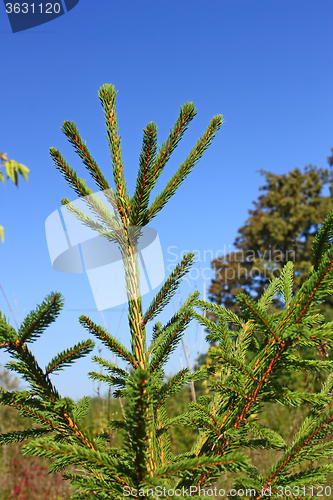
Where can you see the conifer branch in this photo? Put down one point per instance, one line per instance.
(230, 316)
(267, 367)
(253, 311)
(42, 413)
(139, 202)
(312, 291)
(286, 283)
(68, 356)
(112, 231)
(168, 289)
(107, 96)
(186, 115)
(72, 133)
(110, 366)
(67, 455)
(185, 168)
(28, 367)
(69, 174)
(8, 333)
(176, 383)
(161, 332)
(109, 379)
(139, 420)
(320, 283)
(308, 432)
(26, 406)
(322, 241)
(208, 323)
(169, 341)
(273, 438)
(269, 294)
(200, 417)
(234, 361)
(81, 408)
(107, 339)
(37, 321)
(18, 436)
(188, 468)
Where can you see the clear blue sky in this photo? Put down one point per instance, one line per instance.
(265, 65)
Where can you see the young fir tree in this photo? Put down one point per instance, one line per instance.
(226, 423)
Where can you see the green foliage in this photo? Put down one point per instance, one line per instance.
(247, 383)
(21, 476)
(12, 169)
(133, 451)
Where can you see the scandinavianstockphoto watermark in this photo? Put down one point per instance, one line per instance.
(232, 263)
(77, 248)
(281, 491)
(158, 491)
(24, 15)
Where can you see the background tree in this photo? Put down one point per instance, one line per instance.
(281, 228)
(12, 169)
(330, 158)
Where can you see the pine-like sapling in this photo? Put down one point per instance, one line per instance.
(226, 421)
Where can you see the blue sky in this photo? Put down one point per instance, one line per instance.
(265, 65)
